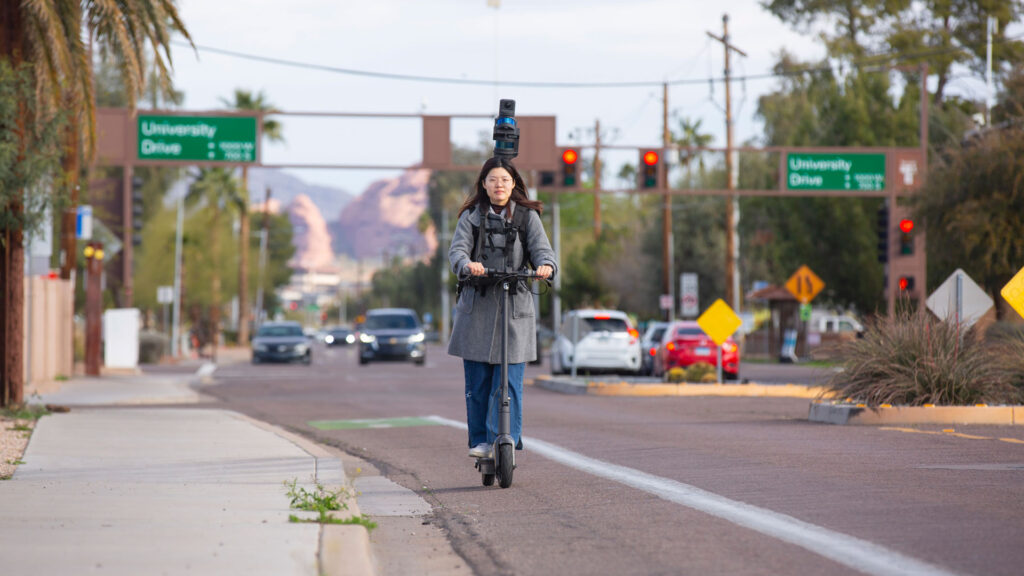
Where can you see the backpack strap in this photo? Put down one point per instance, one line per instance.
(521, 222)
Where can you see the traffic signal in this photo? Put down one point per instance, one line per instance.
(883, 233)
(906, 239)
(649, 167)
(570, 168)
(906, 283)
(137, 210)
(567, 175)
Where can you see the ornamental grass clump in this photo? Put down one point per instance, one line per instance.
(915, 359)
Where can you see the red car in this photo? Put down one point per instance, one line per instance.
(685, 344)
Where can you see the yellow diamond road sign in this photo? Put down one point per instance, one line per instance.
(804, 285)
(1013, 292)
(719, 322)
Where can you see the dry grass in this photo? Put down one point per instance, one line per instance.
(914, 359)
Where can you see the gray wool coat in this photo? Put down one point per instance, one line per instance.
(476, 334)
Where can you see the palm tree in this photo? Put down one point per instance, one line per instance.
(691, 137)
(217, 189)
(47, 36)
(244, 100)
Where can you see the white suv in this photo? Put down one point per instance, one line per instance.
(606, 341)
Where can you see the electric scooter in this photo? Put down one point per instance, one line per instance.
(503, 461)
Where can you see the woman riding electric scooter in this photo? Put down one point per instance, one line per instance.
(478, 246)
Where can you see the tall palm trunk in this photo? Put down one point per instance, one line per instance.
(12, 266)
(243, 262)
(215, 285)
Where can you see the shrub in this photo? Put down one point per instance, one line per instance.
(152, 346)
(675, 375)
(913, 358)
(1009, 355)
(700, 372)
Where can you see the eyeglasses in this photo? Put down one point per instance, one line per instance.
(493, 181)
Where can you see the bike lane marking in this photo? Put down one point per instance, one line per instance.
(849, 551)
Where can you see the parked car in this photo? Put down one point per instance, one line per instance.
(607, 341)
(281, 342)
(392, 334)
(339, 336)
(685, 344)
(649, 343)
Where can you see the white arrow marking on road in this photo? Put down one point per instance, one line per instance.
(854, 553)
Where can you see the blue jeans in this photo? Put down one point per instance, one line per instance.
(483, 391)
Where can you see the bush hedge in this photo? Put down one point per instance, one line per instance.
(913, 358)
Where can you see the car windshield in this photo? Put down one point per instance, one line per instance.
(341, 331)
(657, 333)
(688, 332)
(279, 331)
(390, 322)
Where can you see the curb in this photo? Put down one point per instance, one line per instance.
(861, 415)
(623, 388)
(344, 550)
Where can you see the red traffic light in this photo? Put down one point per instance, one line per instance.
(905, 283)
(650, 157)
(570, 156)
(906, 225)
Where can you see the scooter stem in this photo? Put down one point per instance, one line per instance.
(505, 413)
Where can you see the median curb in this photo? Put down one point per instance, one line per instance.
(860, 414)
(626, 388)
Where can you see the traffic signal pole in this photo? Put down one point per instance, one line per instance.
(597, 178)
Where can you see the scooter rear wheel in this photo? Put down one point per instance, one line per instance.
(504, 469)
(487, 479)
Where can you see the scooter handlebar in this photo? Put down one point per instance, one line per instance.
(518, 275)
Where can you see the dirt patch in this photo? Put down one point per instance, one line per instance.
(14, 435)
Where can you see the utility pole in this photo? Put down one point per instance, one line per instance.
(597, 178)
(446, 311)
(732, 203)
(666, 216)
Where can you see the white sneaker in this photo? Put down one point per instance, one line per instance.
(482, 450)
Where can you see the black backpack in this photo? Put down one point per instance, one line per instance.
(520, 223)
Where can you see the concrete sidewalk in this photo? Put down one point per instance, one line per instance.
(179, 490)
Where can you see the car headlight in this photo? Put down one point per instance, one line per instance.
(350, 338)
(417, 337)
(367, 338)
(301, 348)
(259, 347)
(329, 339)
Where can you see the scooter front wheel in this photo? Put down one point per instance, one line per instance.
(505, 465)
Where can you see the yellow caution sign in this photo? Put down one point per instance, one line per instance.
(804, 285)
(719, 322)
(1013, 292)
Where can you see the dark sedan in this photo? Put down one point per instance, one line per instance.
(339, 337)
(281, 342)
(392, 334)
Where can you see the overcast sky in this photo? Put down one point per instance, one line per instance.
(522, 40)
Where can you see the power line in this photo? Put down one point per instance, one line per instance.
(881, 59)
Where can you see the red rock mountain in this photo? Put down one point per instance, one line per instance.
(312, 241)
(384, 220)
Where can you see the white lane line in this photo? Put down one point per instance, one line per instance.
(854, 553)
(206, 369)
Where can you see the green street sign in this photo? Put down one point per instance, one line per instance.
(197, 138)
(835, 171)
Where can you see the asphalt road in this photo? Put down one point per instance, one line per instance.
(619, 485)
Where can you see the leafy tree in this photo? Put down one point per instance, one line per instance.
(48, 35)
(218, 191)
(245, 100)
(972, 204)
